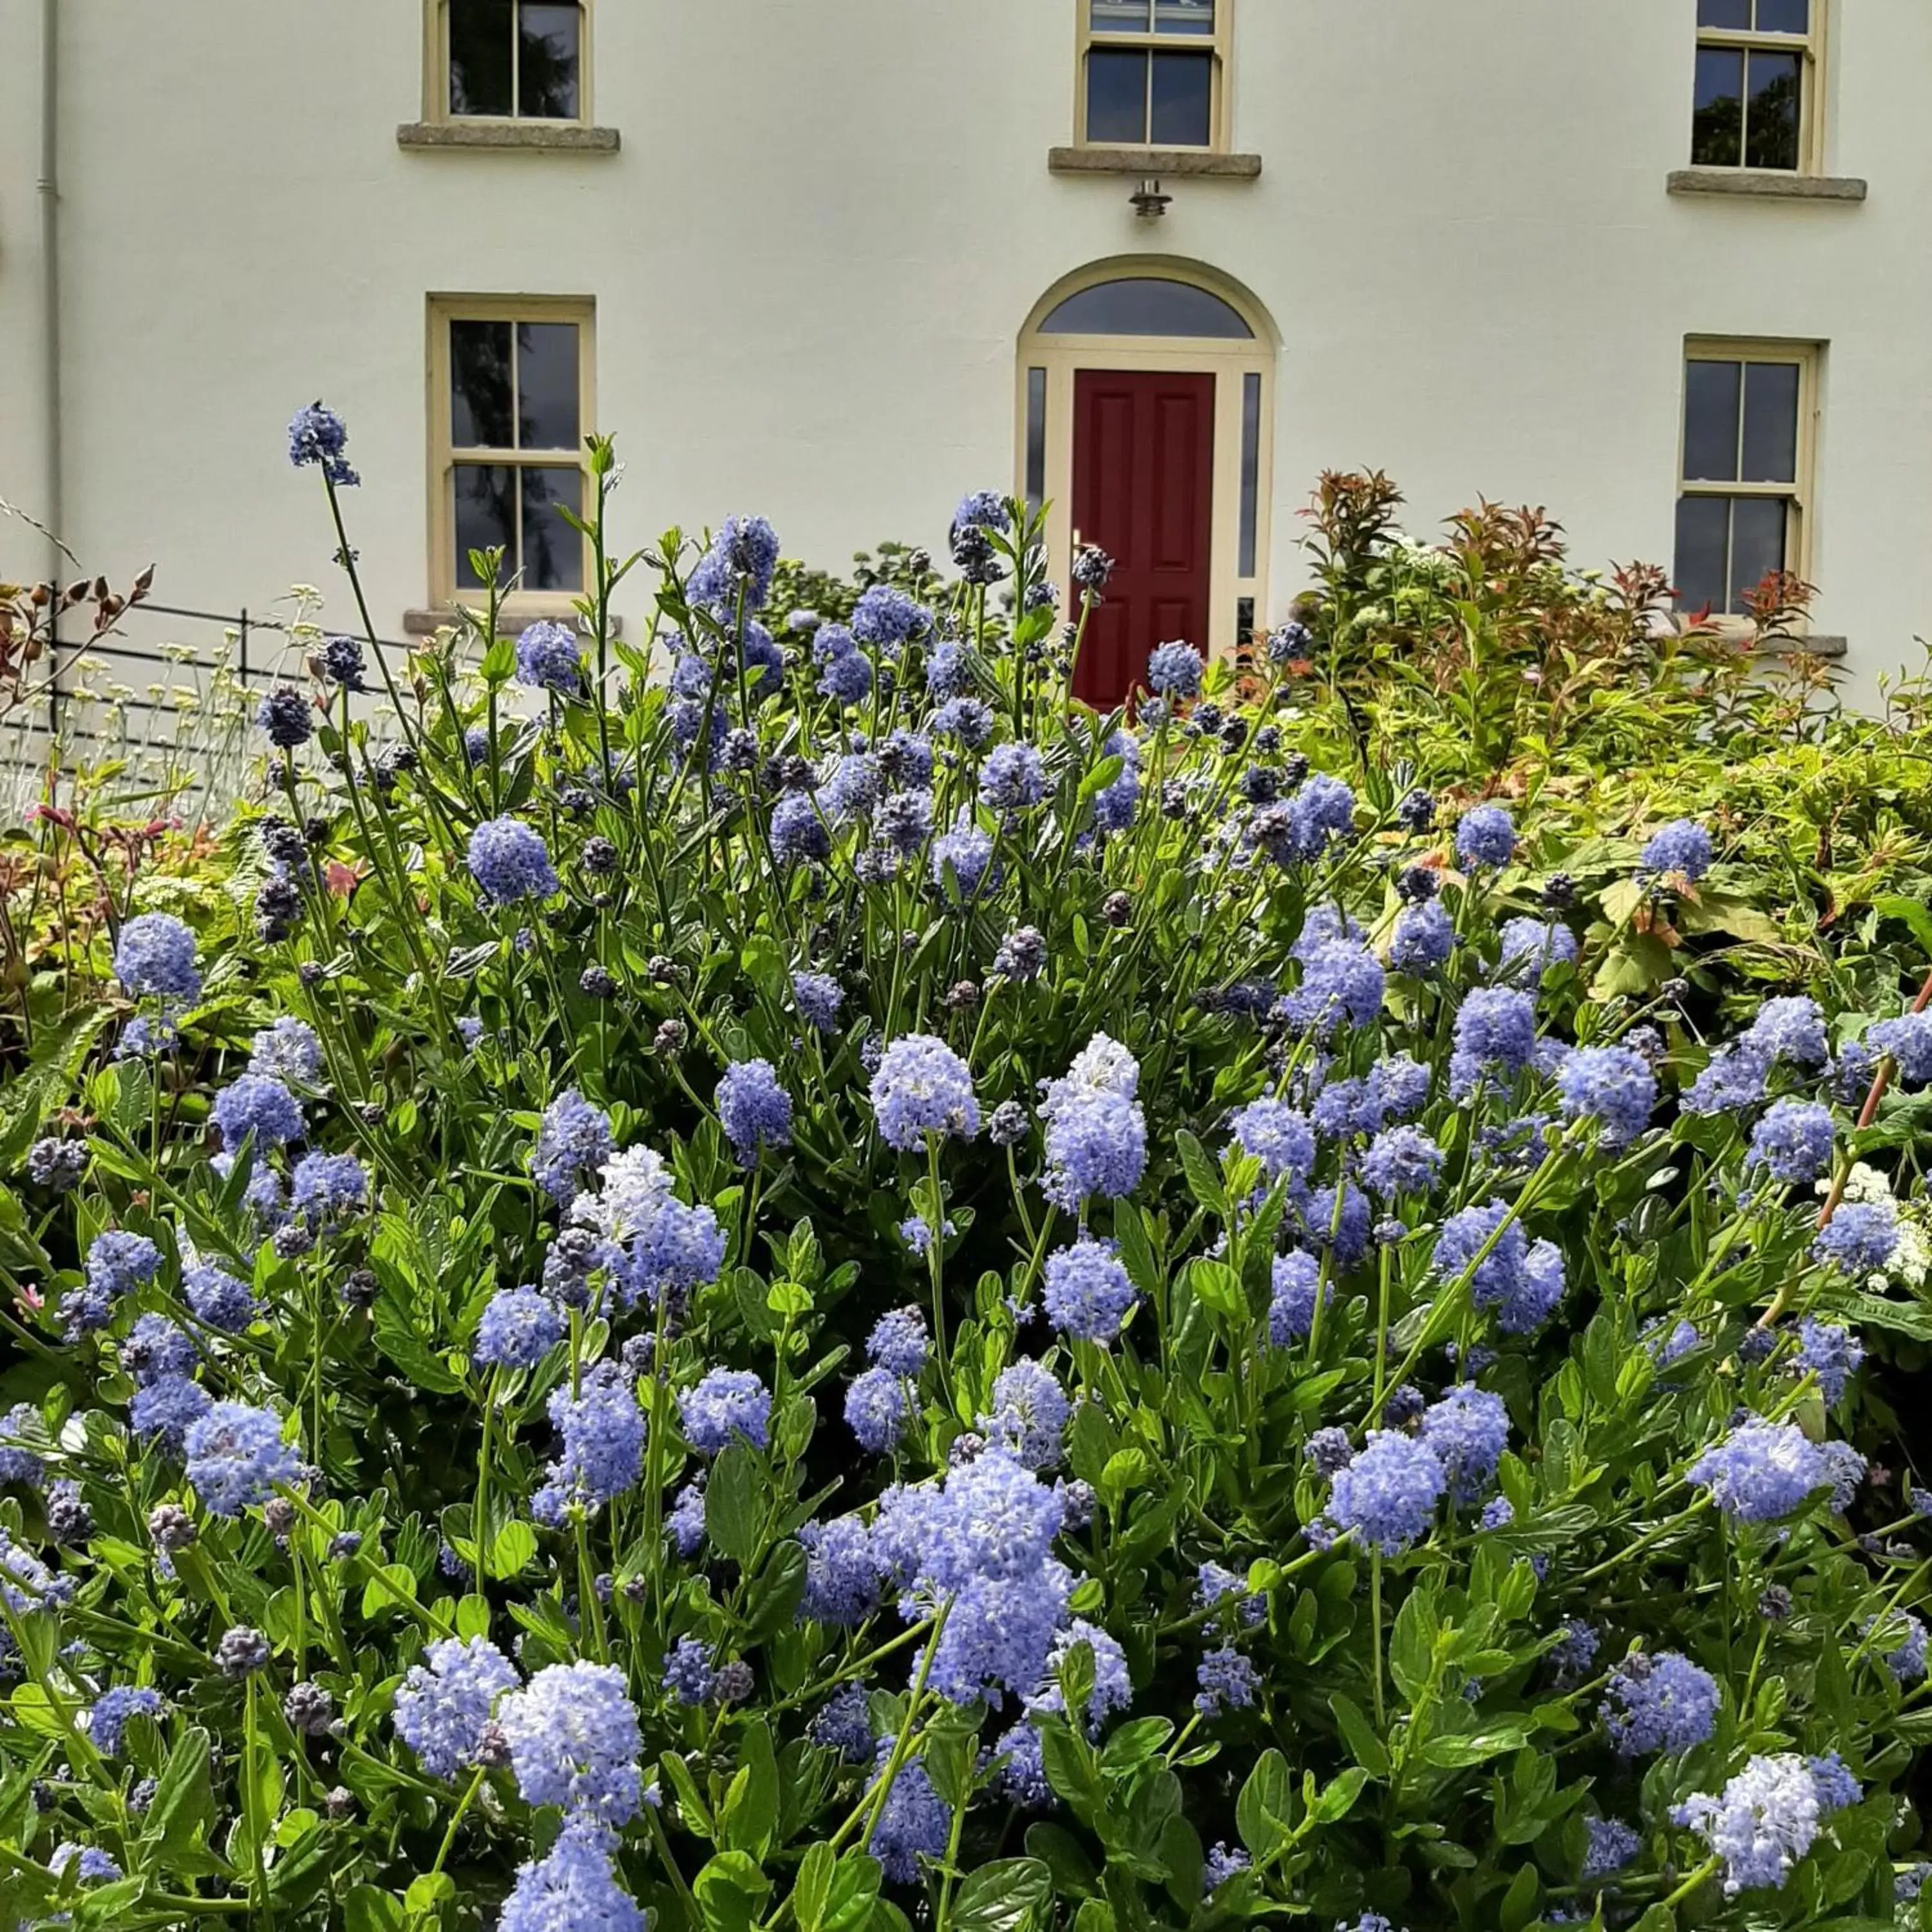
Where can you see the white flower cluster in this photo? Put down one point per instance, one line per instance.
(1910, 1263)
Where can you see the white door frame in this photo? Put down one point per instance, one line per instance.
(1229, 359)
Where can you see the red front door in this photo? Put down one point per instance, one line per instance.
(1143, 491)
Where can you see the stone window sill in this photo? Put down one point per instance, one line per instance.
(426, 623)
(1815, 645)
(1765, 184)
(550, 136)
(1163, 161)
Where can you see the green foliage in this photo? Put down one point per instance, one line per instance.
(1226, 1694)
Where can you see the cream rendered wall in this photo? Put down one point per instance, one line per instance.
(22, 463)
(830, 217)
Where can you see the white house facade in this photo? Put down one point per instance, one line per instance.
(1664, 266)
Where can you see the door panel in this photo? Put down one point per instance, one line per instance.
(1143, 491)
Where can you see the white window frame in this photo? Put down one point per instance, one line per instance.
(445, 454)
(1800, 495)
(1220, 45)
(435, 74)
(1810, 47)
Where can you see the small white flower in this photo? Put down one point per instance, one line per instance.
(1863, 1183)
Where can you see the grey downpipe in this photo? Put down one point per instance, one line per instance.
(54, 506)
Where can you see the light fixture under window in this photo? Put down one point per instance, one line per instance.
(1148, 202)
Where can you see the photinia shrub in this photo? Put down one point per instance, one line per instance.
(795, 1285)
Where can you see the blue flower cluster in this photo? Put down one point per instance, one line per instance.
(921, 1087)
(1096, 1133)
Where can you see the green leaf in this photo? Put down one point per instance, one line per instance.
(399, 1340)
(1456, 1749)
(388, 1583)
(1067, 1769)
(1873, 1311)
(1134, 1742)
(1101, 776)
(750, 1811)
(1619, 901)
(34, 1093)
(948, 1755)
(811, 1890)
(734, 1502)
(1727, 912)
(1180, 1854)
(429, 1892)
(773, 1600)
(730, 1891)
(695, 1813)
(512, 1549)
(182, 1808)
(1365, 1747)
(1073, 1872)
(1262, 1812)
(1890, 905)
(1076, 1678)
(102, 1905)
(1204, 1182)
(1519, 1905)
(1412, 1644)
(33, 1710)
(1218, 1287)
(1125, 1470)
(1338, 1799)
(1006, 1896)
(1136, 1253)
(1638, 961)
(855, 1890)
(366, 1909)
(763, 962)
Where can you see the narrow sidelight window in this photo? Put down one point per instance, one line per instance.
(1035, 438)
(1251, 470)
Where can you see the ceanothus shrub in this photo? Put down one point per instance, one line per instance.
(834, 1292)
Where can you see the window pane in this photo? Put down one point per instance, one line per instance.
(1711, 421)
(479, 385)
(1730, 13)
(1770, 118)
(552, 551)
(480, 39)
(1146, 305)
(1116, 95)
(547, 379)
(1771, 423)
(1703, 530)
(1119, 16)
(1183, 100)
(486, 513)
(1717, 123)
(1784, 16)
(1035, 438)
(1184, 16)
(1757, 544)
(1251, 470)
(547, 57)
